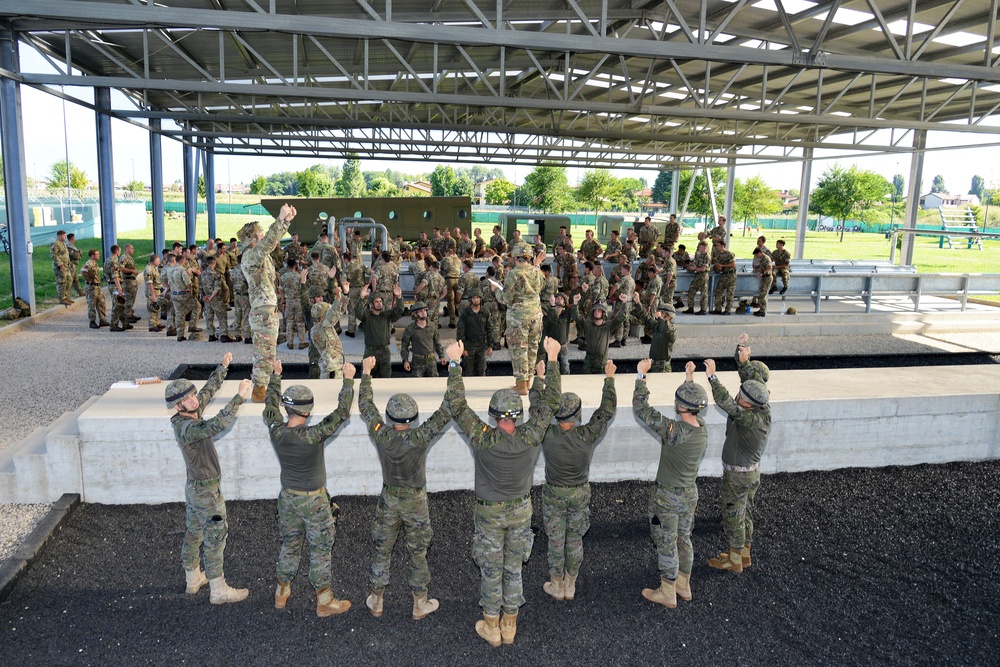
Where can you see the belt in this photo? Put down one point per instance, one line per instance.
(403, 489)
(93, 284)
(425, 356)
(493, 503)
(180, 293)
(129, 278)
(568, 486)
(203, 482)
(304, 493)
(731, 468)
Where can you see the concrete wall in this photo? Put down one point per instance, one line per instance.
(120, 449)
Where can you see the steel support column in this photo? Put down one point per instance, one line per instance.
(15, 178)
(730, 194)
(190, 195)
(913, 195)
(105, 170)
(210, 191)
(675, 192)
(156, 185)
(804, 185)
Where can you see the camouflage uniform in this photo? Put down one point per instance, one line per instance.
(431, 295)
(304, 513)
(192, 265)
(129, 283)
(113, 274)
(222, 265)
(566, 494)
(669, 280)
(674, 497)
(498, 243)
(215, 309)
(290, 285)
(781, 256)
(549, 290)
(61, 268)
(258, 268)
(647, 239)
(477, 332)
(318, 281)
(503, 538)
(403, 503)
(451, 269)
(151, 278)
(241, 300)
(166, 304)
(466, 282)
(426, 344)
(205, 515)
(386, 277)
(75, 255)
(626, 286)
(524, 317)
(96, 310)
(357, 275)
(329, 351)
(612, 250)
(671, 233)
(650, 298)
(567, 269)
(762, 267)
(725, 289)
(591, 249)
(183, 298)
(699, 283)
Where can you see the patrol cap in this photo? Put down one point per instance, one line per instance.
(667, 308)
(177, 390)
(249, 232)
(319, 310)
(691, 396)
(754, 392)
(506, 404)
(569, 407)
(401, 409)
(419, 305)
(298, 399)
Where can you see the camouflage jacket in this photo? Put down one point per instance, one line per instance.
(498, 243)
(700, 261)
(725, 257)
(239, 281)
(290, 285)
(762, 264)
(671, 232)
(258, 266)
(682, 444)
(75, 255)
(746, 430)
(151, 277)
(59, 254)
(357, 275)
(435, 285)
(549, 290)
(112, 271)
(451, 267)
(613, 248)
(91, 272)
(591, 249)
(467, 281)
(521, 289)
(781, 258)
(317, 279)
(211, 282)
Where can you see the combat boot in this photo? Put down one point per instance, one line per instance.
(665, 594)
(248, 341)
(117, 329)
(212, 338)
(554, 587)
(104, 323)
(689, 311)
(521, 387)
(66, 301)
(328, 605)
(374, 603)
(225, 339)
(171, 332)
(281, 594)
(423, 606)
(95, 325)
(683, 586)
(569, 586)
(508, 627)
(259, 393)
(745, 556)
(303, 345)
(732, 561)
(489, 629)
(223, 593)
(291, 346)
(195, 580)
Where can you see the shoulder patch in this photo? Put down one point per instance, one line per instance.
(485, 428)
(377, 427)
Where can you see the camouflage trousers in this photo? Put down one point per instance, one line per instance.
(294, 322)
(118, 317)
(765, 287)
(154, 312)
(97, 311)
(725, 292)
(566, 514)
(501, 544)
(736, 497)
(671, 518)
(452, 301)
(63, 279)
(352, 306)
(383, 361)
(215, 313)
(264, 327)
(74, 278)
(434, 312)
(185, 307)
(241, 315)
(205, 518)
(667, 292)
(660, 366)
(401, 508)
(167, 310)
(329, 359)
(424, 366)
(524, 330)
(306, 519)
(474, 363)
(594, 363)
(785, 276)
(699, 284)
(130, 287)
(622, 330)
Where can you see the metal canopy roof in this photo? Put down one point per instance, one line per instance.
(595, 83)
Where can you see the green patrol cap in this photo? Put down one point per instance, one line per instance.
(177, 390)
(754, 392)
(419, 305)
(506, 404)
(691, 396)
(401, 409)
(569, 407)
(298, 399)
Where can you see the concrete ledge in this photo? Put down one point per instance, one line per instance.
(12, 569)
(17, 325)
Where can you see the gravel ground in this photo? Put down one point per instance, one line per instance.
(859, 566)
(16, 523)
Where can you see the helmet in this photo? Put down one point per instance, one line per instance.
(401, 409)
(758, 371)
(600, 305)
(754, 392)
(667, 308)
(565, 298)
(319, 311)
(506, 403)
(177, 391)
(791, 311)
(691, 396)
(474, 291)
(248, 232)
(524, 252)
(120, 298)
(298, 399)
(569, 407)
(419, 305)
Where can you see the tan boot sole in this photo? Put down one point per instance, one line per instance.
(330, 610)
(653, 596)
(487, 634)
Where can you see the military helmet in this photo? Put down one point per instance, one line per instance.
(667, 308)
(691, 396)
(248, 232)
(506, 404)
(401, 409)
(524, 252)
(569, 407)
(474, 291)
(120, 298)
(600, 305)
(22, 306)
(319, 311)
(177, 391)
(791, 311)
(298, 399)
(754, 392)
(419, 305)
(757, 370)
(566, 299)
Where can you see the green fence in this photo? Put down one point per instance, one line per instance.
(234, 209)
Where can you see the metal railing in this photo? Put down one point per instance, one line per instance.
(927, 232)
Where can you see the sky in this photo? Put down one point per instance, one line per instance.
(52, 127)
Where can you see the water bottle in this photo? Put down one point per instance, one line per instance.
(748, 309)
(784, 309)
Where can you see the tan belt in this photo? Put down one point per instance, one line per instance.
(304, 493)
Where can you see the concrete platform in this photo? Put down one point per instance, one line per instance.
(120, 449)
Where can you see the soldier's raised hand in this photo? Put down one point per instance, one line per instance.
(635, 297)
(623, 297)
(552, 348)
(277, 366)
(366, 291)
(455, 350)
(285, 213)
(226, 358)
(744, 353)
(644, 366)
(584, 287)
(350, 370)
(245, 388)
(396, 291)
(710, 367)
(540, 369)
(610, 368)
(743, 339)
(367, 364)
(689, 367)
(576, 299)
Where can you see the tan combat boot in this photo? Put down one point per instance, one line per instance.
(665, 594)
(423, 606)
(745, 556)
(222, 593)
(683, 586)
(489, 629)
(569, 586)
(328, 605)
(195, 580)
(508, 627)
(281, 594)
(521, 387)
(374, 603)
(259, 393)
(554, 587)
(731, 562)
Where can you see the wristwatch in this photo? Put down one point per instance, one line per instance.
(713, 377)
(640, 376)
(452, 364)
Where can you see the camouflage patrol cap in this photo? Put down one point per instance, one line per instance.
(401, 409)
(757, 370)
(690, 396)
(569, 407)
(667, 308)
(419, 305)
(319, 310)
(177, 391)
(524, 252)
(120, 299)
(506, 404)
(298, 399)
(754, 392)
(248, 232)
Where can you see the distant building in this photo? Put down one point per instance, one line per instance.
(479, 191)
(939, 199)
(788, 200)
(417, 187)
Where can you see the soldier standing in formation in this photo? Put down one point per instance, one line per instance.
(74, 263)
(241, 303)
(151, 279)
(725, 289)
(213, 296)
(113, 274)
(762, 269)
(61, 267)
(290, 288)
(663, 333)
(699, 283)
(130, 276)
(96, 310)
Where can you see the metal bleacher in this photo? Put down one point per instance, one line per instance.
(958, 220)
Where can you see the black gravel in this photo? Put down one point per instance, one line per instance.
(299, 371)
(858, 566)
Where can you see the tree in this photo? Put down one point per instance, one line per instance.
(624, 197)
(380, 186)
(282, 183)
(978, 186)
(257, 185)
(840, 192)
(134, 186)
(351, 182)
(499, 192)
(753, 198)
(202, 190)
(596, 189)
(57, 176)
(938, 184)
(663, 187)
(463, 186)
(548, 189)
(314, 183)
(701, 199)
(442, 181)
(898, 187)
